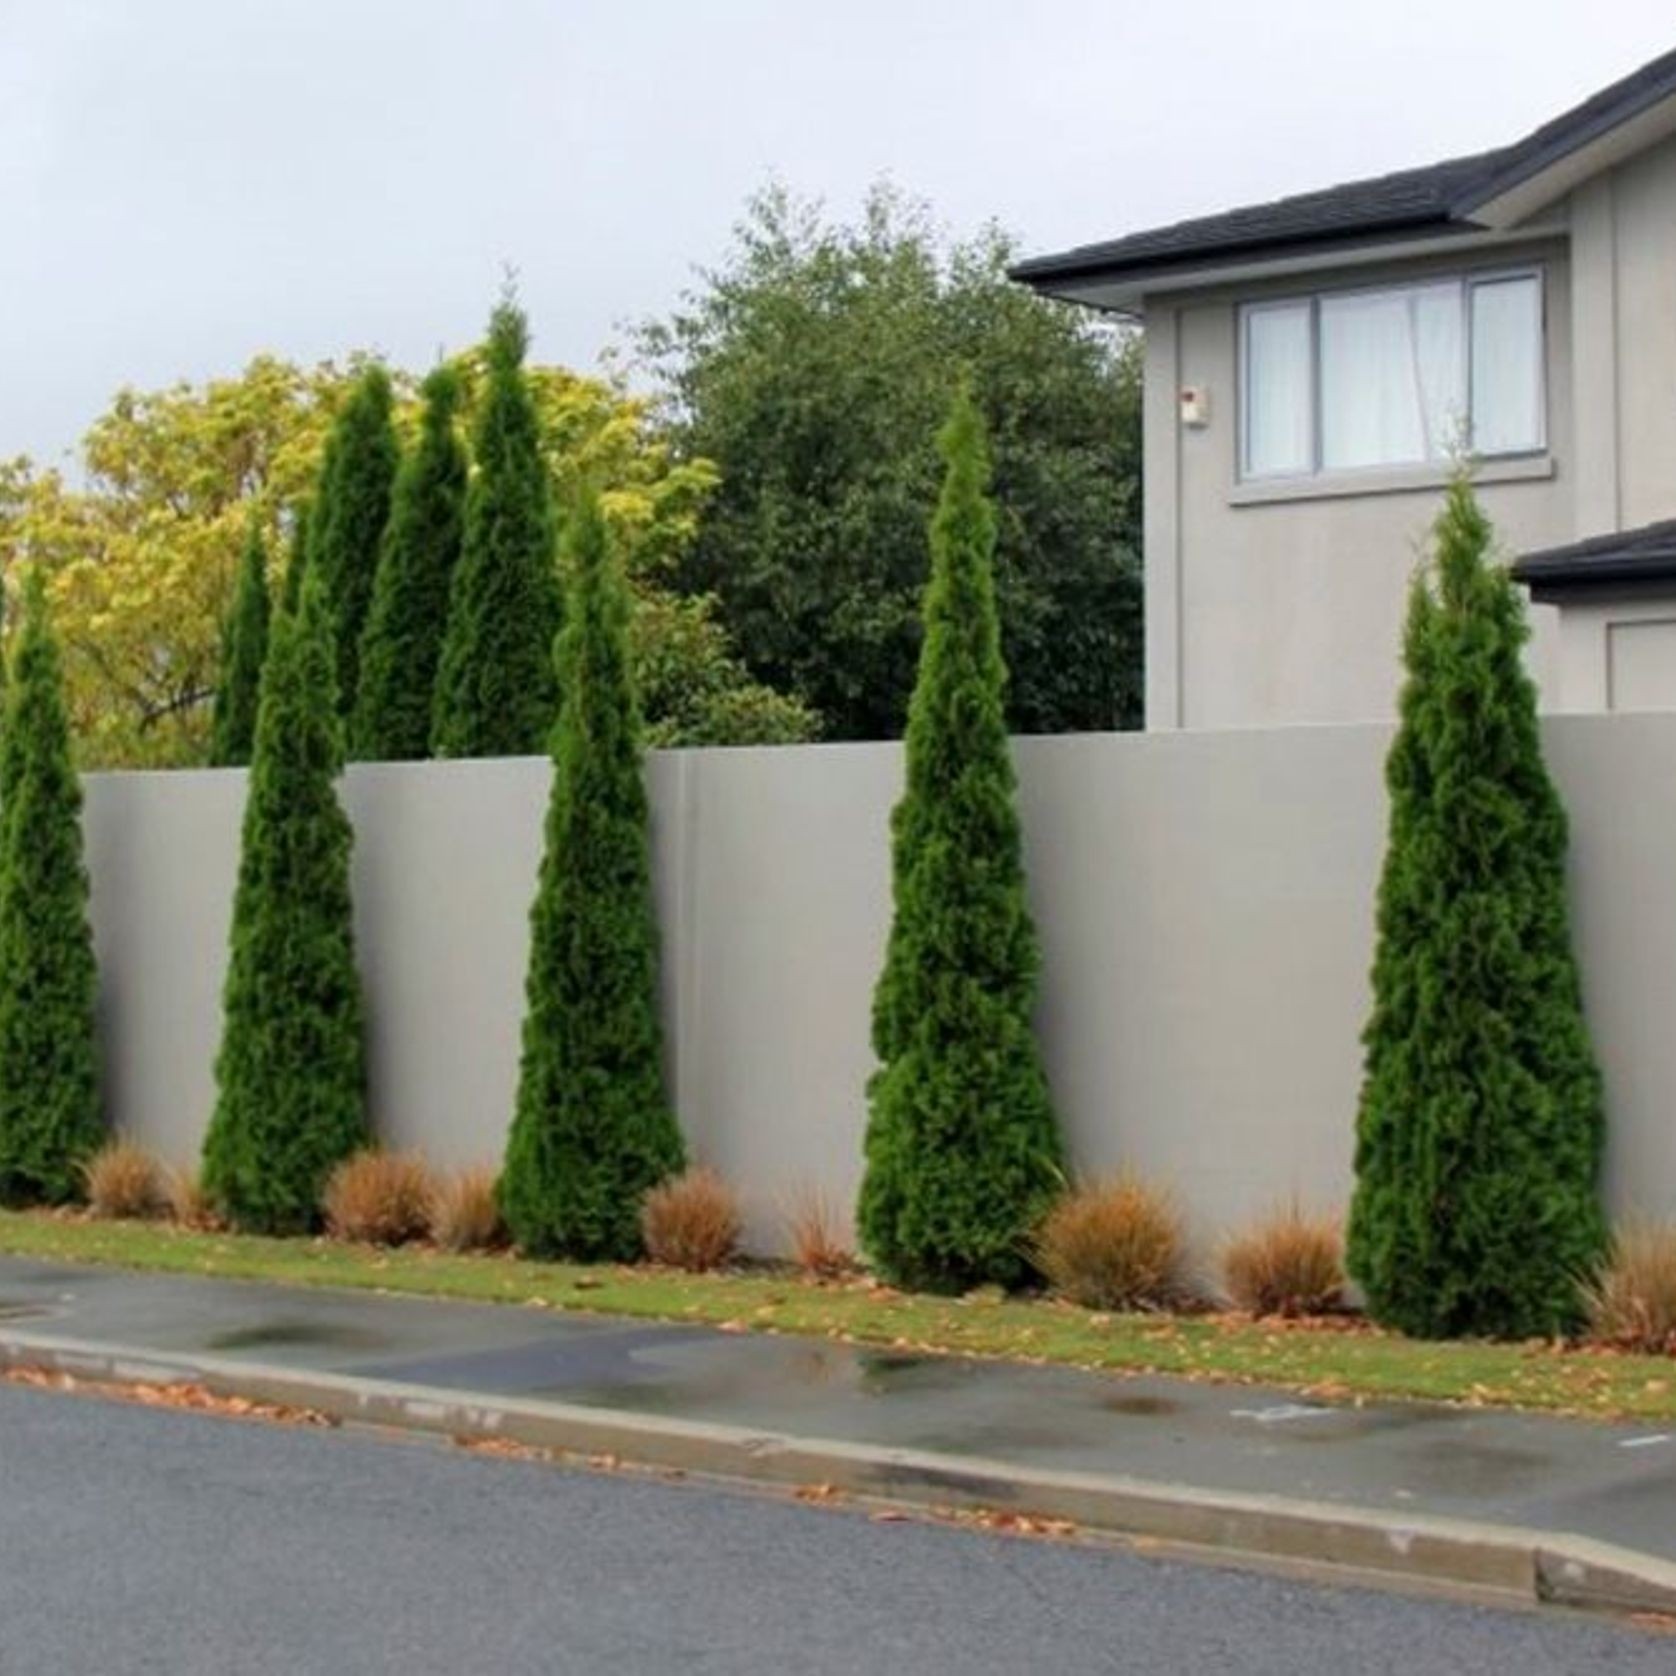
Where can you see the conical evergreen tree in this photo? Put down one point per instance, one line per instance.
(7, 758)
(593, 1129)
(495, 692)
(409, 613)
(290, 1100)
(50, 1118)
(296, 563)
(351, 508)
(244, 644)
(1480, 1130)
(963, 1153)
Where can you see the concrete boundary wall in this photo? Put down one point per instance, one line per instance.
(1204, 900)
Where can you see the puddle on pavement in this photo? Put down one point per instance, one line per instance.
(318, 1335)
(879, 1372)
(1352, 1424)
(1452, 1466)
(702, 1375)
(1142, 1407)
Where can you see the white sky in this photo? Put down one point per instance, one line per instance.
(186, 182)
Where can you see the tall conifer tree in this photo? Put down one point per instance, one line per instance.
(963, 1153)
(1480, 1131)
(50, 1117)
(496, 692)
(351, 508)
(409, 612)
(593, 1129)
(290, 1083)
(244, 645)
(296, 560)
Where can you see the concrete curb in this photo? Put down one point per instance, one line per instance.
(1505, 1561)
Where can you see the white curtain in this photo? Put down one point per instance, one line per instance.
(1392, 377)
(1507, 366)
(1278, 403)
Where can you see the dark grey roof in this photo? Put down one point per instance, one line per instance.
(1622, 561)
(1438, 199)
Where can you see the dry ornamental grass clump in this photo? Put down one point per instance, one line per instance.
(189, 1203)
(691, 1221)
(1116, 1244)
(378, 1198)
(1290, 1264)
(465, 1214)
(815, 1231)
(1631, 1302)
(123, 1181)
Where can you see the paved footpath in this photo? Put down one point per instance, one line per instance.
(896, 1425)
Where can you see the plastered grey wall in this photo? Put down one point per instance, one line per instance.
(1204, 902)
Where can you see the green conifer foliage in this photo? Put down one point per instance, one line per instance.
(244, 644)
(346, 525)
(593, 1129)
(495, 692)
(409, 612)
(1480, 1129)
(296, 563)
(963, 1152)
(290, 1085)
(50, 1118)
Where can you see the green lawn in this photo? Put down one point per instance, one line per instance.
(1341, 1361)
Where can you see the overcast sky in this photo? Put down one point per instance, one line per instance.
(186, 182)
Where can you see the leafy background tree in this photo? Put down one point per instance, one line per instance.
(50, 1116)
(409, 610)
(244, 646)
(351, 508)
(1480, 1130)
(593, 1130)
(290, 1078)
(963, 1151)
(142, 553)
(495, 688)
(813, 368)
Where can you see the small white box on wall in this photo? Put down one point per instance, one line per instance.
(1195, 406)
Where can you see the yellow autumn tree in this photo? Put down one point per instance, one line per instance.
(142, 554)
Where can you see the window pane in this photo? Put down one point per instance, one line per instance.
(1507, 366)
(1277, 393)
(1392, 377)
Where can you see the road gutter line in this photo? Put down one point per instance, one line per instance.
(1510, 1562)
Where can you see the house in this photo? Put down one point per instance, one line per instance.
(1312, 366)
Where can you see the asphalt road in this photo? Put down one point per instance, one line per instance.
(139, 1540)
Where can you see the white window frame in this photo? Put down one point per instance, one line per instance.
(1466, 283)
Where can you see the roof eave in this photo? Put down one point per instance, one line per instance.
(1560, 581)
(1530, 183)
(1123, 288)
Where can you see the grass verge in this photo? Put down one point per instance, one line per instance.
(1336, 1361)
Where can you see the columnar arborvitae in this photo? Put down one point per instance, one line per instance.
(593, 1129)
(963, 1153)
(244, 644)
(495, 692)
(1480, 1130)
(50, 1119)
(409, 612)
(290, 1099)
(351, 508)
(296, 561)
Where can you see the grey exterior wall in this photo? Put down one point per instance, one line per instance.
(1204, 902)
(1273, 605)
